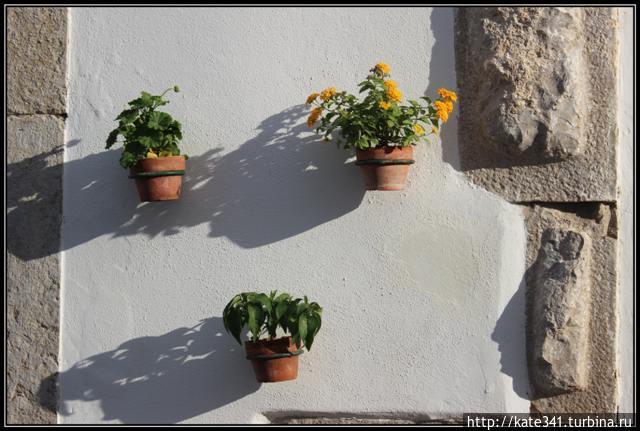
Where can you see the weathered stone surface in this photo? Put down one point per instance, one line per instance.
(530, 94)
(558, 232)
(559, 286)
(36, 60)
(532, 81)
(34, 215)
(355, 420)
(347, 421)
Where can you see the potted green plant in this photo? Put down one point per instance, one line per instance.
(274, 359)
(380, 127)
(150, 147)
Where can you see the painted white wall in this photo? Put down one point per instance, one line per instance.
(626, 194)
(423, 308)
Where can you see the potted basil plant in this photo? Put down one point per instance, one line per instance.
(150, 150)
(274, 359)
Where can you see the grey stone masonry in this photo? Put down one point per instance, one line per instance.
(36, 82)
(536, 85)
(36, 60)
(559, 313)
(571, 308)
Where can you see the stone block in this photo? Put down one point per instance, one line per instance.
(532, 81)
(36, 60)
(571, 309)
(560, 307)
(347, 421)
(34, 216)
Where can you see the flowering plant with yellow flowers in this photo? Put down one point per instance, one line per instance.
(380, 119)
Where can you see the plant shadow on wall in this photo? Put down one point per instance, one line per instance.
(161, 379)
(280, 183)
(34, 205)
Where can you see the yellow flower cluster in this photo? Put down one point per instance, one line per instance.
(328, 93)
(390, 83)
(392, 90)
(418, 129)
(382, 68)
(443, 110)
(445, 106)
(394, 94)
(447, 95)
(313, 117)
(384, 105)
(325, 95)
(312, 97)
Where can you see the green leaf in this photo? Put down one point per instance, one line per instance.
(281, 309)
(302, 307)
(313, 326)
(146, 98)
(282, 297)
(302, 327)
(255, 319)
(127, 159)
(148, 142)
(235, 324)
(127, 116)
(159, 120)
(111, 139)
(264, 301)
(233, 311)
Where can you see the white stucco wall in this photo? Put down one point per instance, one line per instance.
(421, 289)
(626, 173)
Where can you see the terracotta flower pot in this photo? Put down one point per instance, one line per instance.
(385, 168)
(273, 360)
(159, 179)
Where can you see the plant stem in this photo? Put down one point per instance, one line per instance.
(166, 91)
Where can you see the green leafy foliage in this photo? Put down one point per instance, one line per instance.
(262, 314)
(145, 131)
(380, 118)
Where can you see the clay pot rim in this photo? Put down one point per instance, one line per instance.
(264, 341)
(150, 165)
(385, 152)
(164, 157)
(387, 147)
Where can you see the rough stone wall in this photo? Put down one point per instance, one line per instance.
(537, 125)
(571, 303)
(36, 108)
(300, 418)
(536, 121)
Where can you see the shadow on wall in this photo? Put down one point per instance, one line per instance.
(281, 183)
(442, 73)
(510, 334)
(34, 205)
(164, 379)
